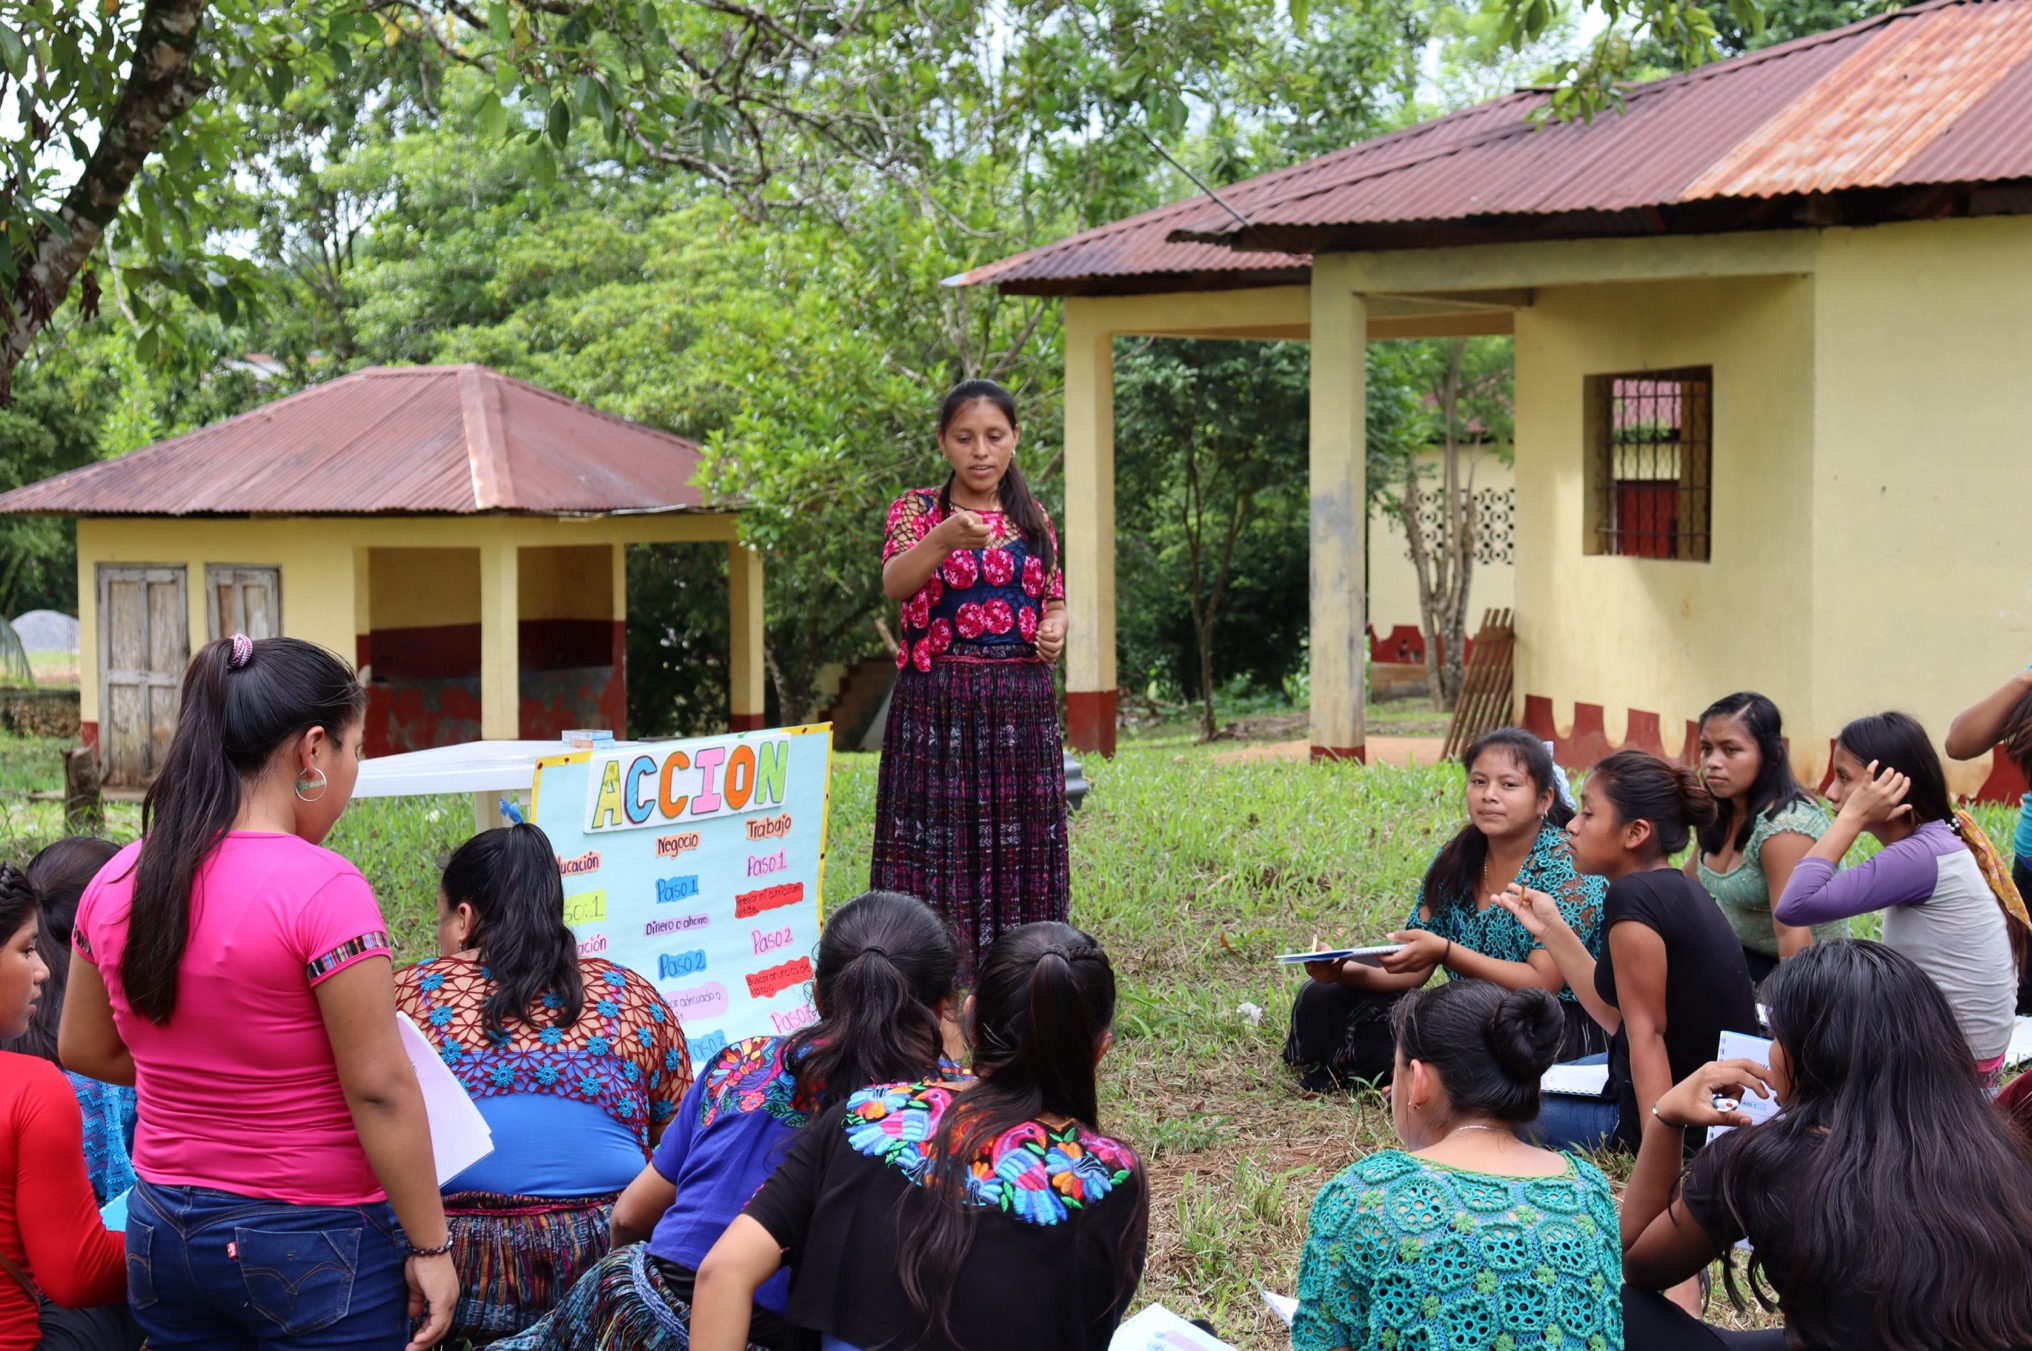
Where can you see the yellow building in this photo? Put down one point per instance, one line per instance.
(460, 535)
(1774, 348)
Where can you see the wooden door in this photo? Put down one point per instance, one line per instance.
(244, 600)
(144, 645)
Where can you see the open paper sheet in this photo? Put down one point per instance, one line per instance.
(1159, 1329)
(2020, 1049)
(1738, 1046)
(1284, 1306)
(459, 1135)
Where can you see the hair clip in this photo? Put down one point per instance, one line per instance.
(242, 653)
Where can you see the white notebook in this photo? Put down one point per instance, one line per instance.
(1575, 1081)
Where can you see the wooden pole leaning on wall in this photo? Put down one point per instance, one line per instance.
(84, 810)
(1486, 692)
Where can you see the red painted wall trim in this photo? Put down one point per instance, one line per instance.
(88, 732)
(2006, 782)
(745, 722)
(1090, 721)
(1589, 741)
(1358, 754)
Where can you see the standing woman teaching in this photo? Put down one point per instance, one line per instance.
(239, 976)
(970, 813)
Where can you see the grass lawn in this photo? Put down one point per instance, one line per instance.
(1192, 874)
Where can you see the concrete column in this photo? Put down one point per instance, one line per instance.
(1338, 479)
(746, 668)
(620, 614)
(1088, 531)
(363, 609)
(500, 641)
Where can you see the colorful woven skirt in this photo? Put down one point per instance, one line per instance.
(629, 1301)
(517, 1256)
(970, 813)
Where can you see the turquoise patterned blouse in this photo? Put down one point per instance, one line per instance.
(1407, 1253)
(1495, 932)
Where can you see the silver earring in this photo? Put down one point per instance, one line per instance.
(310, 789)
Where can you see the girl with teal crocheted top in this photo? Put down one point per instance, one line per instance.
(1768, 821)
(1473, 1238)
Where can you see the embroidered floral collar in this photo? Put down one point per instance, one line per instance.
(1041, 1174)
(750, 1076)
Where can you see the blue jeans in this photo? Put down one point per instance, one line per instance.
(1568, 1122)
(211, 1271)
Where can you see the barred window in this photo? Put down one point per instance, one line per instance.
(1649, 456)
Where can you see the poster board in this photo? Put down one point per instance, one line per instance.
(699, 864)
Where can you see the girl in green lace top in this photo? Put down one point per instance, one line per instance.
(1768, 822)
(1473, 1238)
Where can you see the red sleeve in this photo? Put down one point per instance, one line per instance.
(71, 1254)
(911, 518)
(338, 925)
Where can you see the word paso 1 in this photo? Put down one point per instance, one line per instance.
(654, 786)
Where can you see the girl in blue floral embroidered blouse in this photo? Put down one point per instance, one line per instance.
(1514, 833)
(1473, 1238)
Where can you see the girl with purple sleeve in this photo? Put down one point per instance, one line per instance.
(1959, 921)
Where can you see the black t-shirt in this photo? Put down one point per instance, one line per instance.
(1762, 1213)
(1707, 982)
(1057, 1241)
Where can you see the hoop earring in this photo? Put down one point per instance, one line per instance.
(316, 786)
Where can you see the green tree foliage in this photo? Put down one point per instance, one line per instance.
(1211, 536)
(728, 219)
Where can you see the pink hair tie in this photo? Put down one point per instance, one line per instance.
(243, 652)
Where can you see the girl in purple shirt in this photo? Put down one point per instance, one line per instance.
(1940, 908)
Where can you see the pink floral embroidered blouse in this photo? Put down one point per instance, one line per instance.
(981, 602)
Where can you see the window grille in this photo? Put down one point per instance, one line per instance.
(1649, 458)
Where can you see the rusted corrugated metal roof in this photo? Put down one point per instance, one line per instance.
(1939, 94)
(389, 439)
(1139, 245)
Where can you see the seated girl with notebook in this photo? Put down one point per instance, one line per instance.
(1340, 1022)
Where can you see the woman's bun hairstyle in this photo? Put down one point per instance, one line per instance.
(1490, 1046)
(1524, 1033)
(1643, 787)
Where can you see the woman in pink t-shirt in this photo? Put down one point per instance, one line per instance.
(239, 976)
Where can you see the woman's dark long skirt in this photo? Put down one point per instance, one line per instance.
(970, 812)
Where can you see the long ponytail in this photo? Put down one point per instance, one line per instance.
(884, 963)
(511, 880)
(233, 721)
(1043, 1003)
(1019, 504)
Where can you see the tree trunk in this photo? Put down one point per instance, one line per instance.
(1444, 564)
(160, 88)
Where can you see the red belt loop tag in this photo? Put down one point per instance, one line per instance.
(233, 1250)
